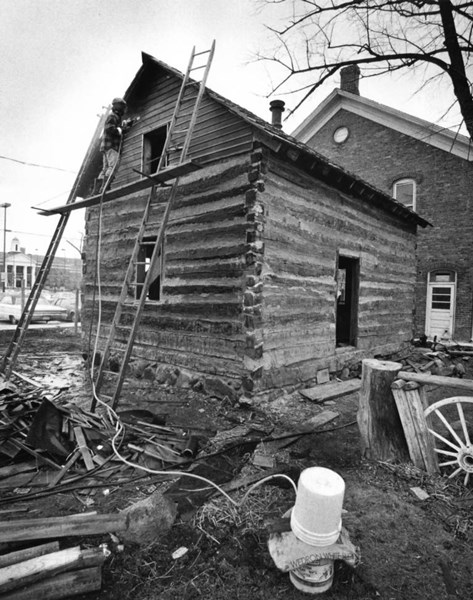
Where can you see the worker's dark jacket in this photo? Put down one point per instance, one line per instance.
(111, 136)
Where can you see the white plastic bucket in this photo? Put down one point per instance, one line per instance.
(316, 518)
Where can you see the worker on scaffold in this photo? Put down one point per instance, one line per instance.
(111, 141)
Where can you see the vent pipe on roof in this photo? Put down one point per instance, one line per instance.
(277, 108)
(350, 79)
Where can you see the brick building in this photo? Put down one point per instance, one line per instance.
(429, 169)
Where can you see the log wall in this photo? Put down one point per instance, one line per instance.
(306, 225)
(198, 324)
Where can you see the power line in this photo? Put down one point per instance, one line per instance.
(28, 164)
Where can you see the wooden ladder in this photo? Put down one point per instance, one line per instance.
(8, 360)
(174, 134)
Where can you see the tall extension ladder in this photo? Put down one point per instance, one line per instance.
(8, 361)
(175, 129)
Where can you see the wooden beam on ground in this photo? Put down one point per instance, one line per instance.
(41, 567)
(57, 527)
(382, 434)
(411, 403)
(130, 188)
(60, 586)
(453, 382)
(20, 555)
(329, 391)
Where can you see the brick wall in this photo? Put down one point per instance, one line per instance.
(444, 197)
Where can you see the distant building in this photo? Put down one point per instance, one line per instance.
(427, 168)
(20, 267)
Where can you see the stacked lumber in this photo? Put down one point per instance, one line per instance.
(444, 359)
(46, 572)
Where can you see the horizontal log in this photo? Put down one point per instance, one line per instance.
(55, 527)
(452, 382)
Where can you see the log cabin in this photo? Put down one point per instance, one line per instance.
(276, 263)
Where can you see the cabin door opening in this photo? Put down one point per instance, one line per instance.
(347, 301)
(441, 295)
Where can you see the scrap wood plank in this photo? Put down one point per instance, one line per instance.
(17, 468)
(58, 476)
(55, 527)
(329, 391)
(84, 449)
(18, 480)
(60, 586)
(38, 455)
(28, 571)
(20, 555)
(410, 404)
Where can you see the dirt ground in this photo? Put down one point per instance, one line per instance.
(411, 549)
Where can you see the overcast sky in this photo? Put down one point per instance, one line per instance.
(62, 61)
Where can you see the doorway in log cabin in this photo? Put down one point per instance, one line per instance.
(346, 326)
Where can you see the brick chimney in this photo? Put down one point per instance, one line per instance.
(350, 79)
(277, 108)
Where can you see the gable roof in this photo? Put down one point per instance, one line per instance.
(424, 131)
(285, 146)
(288, 146)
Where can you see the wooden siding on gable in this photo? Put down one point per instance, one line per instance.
(218, 133)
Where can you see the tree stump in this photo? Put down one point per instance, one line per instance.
(382, 434)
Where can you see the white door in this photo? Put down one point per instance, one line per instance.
(440, 310)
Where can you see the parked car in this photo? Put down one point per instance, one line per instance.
(10, 310)
(70, 305)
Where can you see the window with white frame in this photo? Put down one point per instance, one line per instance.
(404, 190)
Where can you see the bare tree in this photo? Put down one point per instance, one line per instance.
(320, 37)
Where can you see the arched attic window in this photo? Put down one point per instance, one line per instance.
(404, 190)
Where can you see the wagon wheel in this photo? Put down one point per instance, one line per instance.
(452, 438)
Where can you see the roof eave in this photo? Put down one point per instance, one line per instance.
(420, 129)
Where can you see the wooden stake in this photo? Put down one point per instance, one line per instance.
(382, 435)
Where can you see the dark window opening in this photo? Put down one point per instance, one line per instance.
(19, 277)
(347, 301)
(10, 276)
(153, 145)
(143, 265)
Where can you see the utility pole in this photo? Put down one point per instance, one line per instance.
(5, 205)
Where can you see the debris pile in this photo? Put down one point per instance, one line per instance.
(444, 359)
(49, 444)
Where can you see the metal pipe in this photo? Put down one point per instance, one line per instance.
(5, 205)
